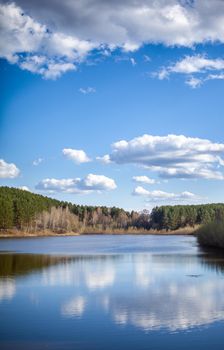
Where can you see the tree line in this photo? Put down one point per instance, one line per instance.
(26, 211)
(178, 216)
(23, 210)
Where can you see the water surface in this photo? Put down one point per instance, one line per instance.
(110, 292)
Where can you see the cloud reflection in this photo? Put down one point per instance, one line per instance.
(74, 307)
(60, 275)
(94, 273)
(100, 279)
(164, 296)
(7, 288)
(147, 291)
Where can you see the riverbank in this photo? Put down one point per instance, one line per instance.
(49, 233)
(211, 235)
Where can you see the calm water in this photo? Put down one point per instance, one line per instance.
(110, 292)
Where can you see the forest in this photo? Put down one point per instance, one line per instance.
(178, 216)
(25, 211)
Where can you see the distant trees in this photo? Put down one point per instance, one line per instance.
(18, 208)
(59, 220)
(178, 216)
(6, 213)
(23, 210)
(103, 218)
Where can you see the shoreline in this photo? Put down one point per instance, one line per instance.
(190, 231)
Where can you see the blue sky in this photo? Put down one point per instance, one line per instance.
(87, 100)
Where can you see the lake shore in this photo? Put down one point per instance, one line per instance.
(212, 235)
(48, 233)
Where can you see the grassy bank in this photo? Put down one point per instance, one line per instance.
(88, 231)
(211, 235)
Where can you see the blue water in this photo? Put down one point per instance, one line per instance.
(110, 292)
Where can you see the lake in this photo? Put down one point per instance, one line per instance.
(110, 292)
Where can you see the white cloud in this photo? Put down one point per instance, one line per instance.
(133, 61)
(140, 191)
(56, 69)
(197, 171)
(58, 185)
(162, 74)
(172, 156)
(161, 195)
(88, 90)
(215, 76)
(47, 67)
(105, 159)
(77, 155)
(130, 23)
(63, 33)
(35, 48)
(99, 182)
(8, 170)
(197, 64)
(91, 183)
(24, 188)
(194, 82)
(144, 179)
(37, 161)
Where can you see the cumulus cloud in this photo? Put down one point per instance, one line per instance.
(172, 156)
(36, 48)
(161, 195)
(130, 23)
(105, 159)
(8, 170)
(77, 155)
(88, 90)
(48, 68)
(91, 183)
(99, 182)
(144, 179)
(52, 37)
(37, 161)
(194, 65)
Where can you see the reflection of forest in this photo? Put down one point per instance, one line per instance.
(12, 264)
(21, 264)
(213, 259)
